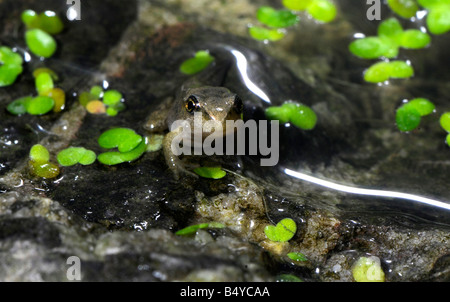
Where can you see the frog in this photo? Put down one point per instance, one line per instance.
(215, 103)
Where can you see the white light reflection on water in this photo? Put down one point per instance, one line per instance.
(368, 192)
(242, 64)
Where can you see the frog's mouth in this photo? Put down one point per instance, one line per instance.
(226, 131)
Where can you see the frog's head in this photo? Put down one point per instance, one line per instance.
(214, 103)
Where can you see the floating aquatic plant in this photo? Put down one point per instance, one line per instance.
(49, 97)
(299, 115)
(74, 155)
(111, 97)
(276, 18)
(97, 101)
(124, 139)
(262, 34)
(391, 37)
(368, 269)
(438, 17)
(97, 92)
(10, 66)
(383, 71)
(40, 70)
(321, 10)
(408, 116)
(193, 228)
(43, 82)
(40, 28)
(200, 61)
(210, 172)
(96, 107)
(445, 124)
(40, 105)
(40, 43)
(131, 146)
(39, 153)
(40, 164)
(282, 232)
(404, 8)
(445, 121)
(59, 96)
(19, 106)
(47, 21)
(114, 158)
(297, 256)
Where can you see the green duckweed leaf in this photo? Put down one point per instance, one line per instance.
(322, 10)
(114, 158)
(297, 5)
(50, 22)
(97, 92)
(438, 19)
(303, 117)
(276, 18)
(74, 155)
(430, 4)
(40, 70)
(40, 43)
(124, 139)
(210, 172)
(9, 57)
(445, 121)
(111, 111)
(296, 256)
(85, 97)
(379, 72)
(382, 71)
(390, 28)
(262, 34)
(19, 106)
(47, 21)
(43, 82)
(447, 140)
(87, 158)
(44, 169)
(414, 39)
(193, 228)
(400, 70)
(299, 115)
(28, 17)
(282, 232)
(281, 113)
(422, 105)
(407, 118)
(111, 97)
(39, 154)
(368, 270)
(40, 105)
(9, 74)
(200, 61)
(404, 8)
(372, 48)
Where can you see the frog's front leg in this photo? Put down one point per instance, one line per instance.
(172, 160)
(157, 120)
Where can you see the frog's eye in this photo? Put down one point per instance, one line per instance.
(238, 104)
(192, 104)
